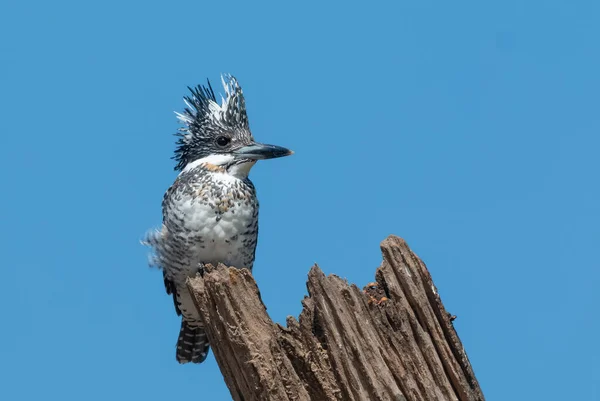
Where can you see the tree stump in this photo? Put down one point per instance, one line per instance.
(393, 340)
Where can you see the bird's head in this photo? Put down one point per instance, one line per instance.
(219, 133)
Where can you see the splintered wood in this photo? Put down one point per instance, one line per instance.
(391, 341)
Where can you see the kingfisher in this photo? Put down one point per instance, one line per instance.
(210, 213)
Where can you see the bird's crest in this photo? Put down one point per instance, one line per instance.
(203, 117)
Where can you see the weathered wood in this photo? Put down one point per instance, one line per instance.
(391, 341)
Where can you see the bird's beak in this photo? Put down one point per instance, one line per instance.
(258, 151)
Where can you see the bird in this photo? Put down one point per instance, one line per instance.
(210, 212)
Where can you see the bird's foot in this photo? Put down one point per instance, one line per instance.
(200, 269)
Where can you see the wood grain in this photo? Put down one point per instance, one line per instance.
(393, 340)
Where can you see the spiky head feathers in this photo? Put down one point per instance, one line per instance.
(210, 127)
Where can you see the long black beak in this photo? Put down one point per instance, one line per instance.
(259, 151)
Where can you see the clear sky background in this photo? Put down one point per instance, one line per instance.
(469, 129)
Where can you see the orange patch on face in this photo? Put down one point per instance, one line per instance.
(213, 167)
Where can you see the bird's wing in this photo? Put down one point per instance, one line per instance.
(171, 290)
(169, 284)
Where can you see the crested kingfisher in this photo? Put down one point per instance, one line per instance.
(210, 213)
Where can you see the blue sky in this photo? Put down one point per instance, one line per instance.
(469, 129)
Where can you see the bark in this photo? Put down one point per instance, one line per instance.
(393, 340)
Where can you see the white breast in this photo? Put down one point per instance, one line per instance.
(216, 227)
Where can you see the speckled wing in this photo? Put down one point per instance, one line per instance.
(171, 290)
(170, 286)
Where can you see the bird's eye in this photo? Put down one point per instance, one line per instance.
(223, 141)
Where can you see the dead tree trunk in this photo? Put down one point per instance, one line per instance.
(391, 341)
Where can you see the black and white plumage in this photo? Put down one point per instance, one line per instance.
(210, 213)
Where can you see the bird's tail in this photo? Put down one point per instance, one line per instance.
(192, 345)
